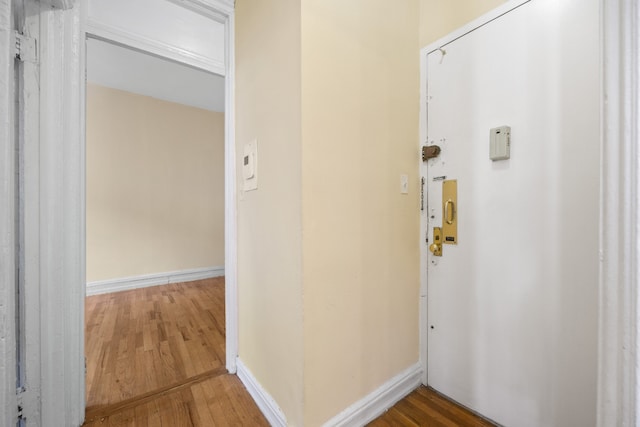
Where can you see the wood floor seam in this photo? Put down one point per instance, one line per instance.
(95, 414)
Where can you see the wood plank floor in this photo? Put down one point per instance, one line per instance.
(155, 356)
(425, 407)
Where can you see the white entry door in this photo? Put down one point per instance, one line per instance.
(512, 300)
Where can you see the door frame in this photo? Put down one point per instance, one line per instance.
(619, 323)
(618, 387)
(60, 195)
(8, 399)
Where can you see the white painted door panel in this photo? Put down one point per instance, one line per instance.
(512, 308)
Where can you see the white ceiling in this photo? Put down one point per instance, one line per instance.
(133, 71)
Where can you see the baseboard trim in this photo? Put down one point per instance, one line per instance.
(265, 402)
(143, 281)
(376, 403)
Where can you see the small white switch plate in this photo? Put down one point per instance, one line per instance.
(500, 143)
(249, 163)
(404, 184)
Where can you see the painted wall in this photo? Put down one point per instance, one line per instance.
(440, 17)
(269, 218)
(328, 265)
(360, 100)
(155, 185)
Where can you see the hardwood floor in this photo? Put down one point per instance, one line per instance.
(425, 407)
(155, 356)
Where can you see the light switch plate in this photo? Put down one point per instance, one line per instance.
(500, 143)
(250, 166)
(404, 184)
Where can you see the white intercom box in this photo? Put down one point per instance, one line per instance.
(500, 143)
(250, 166)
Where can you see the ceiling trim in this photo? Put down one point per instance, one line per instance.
(218, 10)
(121, 36)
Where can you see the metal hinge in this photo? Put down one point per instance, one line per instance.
(25, 48)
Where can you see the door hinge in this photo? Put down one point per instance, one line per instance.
(25, 48)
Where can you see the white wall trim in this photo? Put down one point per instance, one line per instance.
(8, 403)
(121, 36)
(422, 170)
(265, 402)
(214, 9)
(230, 206)
(60, 196)
(619, 340)
(380, 400)
(225, 7)
(146, 280)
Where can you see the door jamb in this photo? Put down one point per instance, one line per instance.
(8, 400)
(619, 302)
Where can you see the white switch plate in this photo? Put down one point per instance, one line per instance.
(404, 184)
(249, 164)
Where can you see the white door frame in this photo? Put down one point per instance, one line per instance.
(221, 11)
(619, 302)
(619, 326)
(8, 401)
(60, 197)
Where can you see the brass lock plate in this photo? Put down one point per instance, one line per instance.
(450, 212)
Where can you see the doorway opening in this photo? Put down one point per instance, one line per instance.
(155, 206)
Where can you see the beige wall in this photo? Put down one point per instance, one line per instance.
(269, 219)
(328, 267)
(360, 102)
(440, 17)
(155, 185)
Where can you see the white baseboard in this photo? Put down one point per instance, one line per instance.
(265, 402)
(376, 403)
(135, 282)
